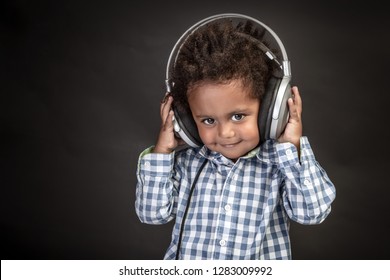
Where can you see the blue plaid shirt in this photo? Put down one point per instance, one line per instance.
(238, 210)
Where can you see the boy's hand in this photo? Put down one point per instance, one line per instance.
(167, 141)
(293, 131)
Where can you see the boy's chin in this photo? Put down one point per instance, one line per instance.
(235, 150)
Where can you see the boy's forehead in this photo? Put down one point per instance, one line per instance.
(228, 98)
(236, 85)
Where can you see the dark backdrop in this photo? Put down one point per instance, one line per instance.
(81, 83)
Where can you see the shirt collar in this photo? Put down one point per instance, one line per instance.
(267, 151)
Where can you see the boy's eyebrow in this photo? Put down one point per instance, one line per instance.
(236, 111)
(202, 116)
(240, 111)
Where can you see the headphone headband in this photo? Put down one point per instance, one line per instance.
(285, 65)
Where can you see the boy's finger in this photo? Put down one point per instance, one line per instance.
(168, 124)
(297, 97)
(165, 97)
(165, 107)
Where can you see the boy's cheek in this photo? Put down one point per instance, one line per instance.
(205, 135)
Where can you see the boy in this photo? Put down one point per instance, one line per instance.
(233, 197)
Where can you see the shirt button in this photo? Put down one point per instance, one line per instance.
(289, 152)
(307, 182)
(147, 164)
(235, 177)
(227, 208)
(222, 242)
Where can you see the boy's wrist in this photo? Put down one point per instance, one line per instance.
(161, 150)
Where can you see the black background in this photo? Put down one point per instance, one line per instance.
(81, 83)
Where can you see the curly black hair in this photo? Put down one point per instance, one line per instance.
(219, 52)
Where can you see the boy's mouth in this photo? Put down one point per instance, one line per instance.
(230, 145)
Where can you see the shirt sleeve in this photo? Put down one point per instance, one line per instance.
(156, 193)
(308, 192)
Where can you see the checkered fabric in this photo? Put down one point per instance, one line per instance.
(238, 210)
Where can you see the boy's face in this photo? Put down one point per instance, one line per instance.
(226, 117)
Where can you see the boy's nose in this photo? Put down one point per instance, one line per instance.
(226, 131)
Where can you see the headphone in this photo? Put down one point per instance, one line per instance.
(273, 114)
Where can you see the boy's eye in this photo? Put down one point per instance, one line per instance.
(237, 117)
(208, 121)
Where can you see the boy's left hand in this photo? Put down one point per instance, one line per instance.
(293, 130)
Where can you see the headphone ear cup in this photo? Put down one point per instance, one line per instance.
(266, 108)
(185, 126)
(274, 111)
(280, 112)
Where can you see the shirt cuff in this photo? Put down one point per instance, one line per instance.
(155, 164)
(307, 153)
(288, 153)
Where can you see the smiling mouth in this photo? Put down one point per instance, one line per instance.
(230, 145)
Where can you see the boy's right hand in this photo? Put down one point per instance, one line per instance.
(166, 141)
